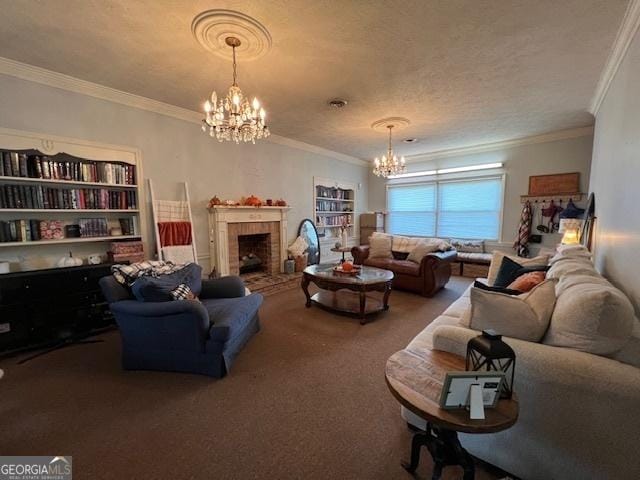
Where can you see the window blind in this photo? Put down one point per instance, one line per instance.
(412, 209)
(454, 209)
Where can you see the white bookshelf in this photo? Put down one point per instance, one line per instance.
(71, 152)
(333, 201)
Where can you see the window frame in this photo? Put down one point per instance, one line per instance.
(436, 181)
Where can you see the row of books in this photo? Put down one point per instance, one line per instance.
(327, 206)
(27, 230)
(42, 197)
(337, 193)
(16, 164)
(333, 220)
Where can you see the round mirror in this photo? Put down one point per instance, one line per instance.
(307, 230)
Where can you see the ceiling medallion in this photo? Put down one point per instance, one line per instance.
(389, 164)
(233, 118)
(212, 28)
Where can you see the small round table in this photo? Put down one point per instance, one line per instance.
(342, 250)
(348, 293)
(415, 379)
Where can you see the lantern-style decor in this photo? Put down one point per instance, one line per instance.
(488, 352)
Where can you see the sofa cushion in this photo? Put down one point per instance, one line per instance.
(405, 267)
(229, 317)
(572, 266)
(380, 246)
(468, 246)
(524, 316)
(404, 244)
(570, 251)
(421, 250)
(592, 318)
(568, 281)
(630, 352)
(481, 258)
(496, 263)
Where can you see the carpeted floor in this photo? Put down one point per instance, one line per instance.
(306, 399)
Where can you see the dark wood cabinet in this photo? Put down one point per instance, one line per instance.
(45, 307)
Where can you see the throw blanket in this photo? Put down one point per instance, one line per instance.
(174, 233)
(127, 274)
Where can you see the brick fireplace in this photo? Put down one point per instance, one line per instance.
(235, 232)
(260, 239)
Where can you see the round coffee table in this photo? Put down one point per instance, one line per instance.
(348, 293)
(415, 379)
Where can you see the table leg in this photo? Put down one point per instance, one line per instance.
(363, 304)
(305, 288)
(385, 298)
(445, 449)
(343, 259)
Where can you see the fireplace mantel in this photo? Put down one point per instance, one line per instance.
(220, 216)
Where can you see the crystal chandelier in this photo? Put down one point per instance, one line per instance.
(388, 164)
(233, 118)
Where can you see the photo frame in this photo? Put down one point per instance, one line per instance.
(457, 386)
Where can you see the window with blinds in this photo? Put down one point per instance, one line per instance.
(453, 209)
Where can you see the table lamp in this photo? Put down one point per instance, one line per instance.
(570, 227)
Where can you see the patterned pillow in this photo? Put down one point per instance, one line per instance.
(404, 244)
(468, 246)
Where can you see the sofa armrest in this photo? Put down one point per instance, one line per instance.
(176, 325)
(225, 287)
(448, 256)
(360, 254)
(563, 368)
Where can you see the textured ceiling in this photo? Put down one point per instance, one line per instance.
(463, 71)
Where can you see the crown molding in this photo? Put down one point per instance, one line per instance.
(72, 84)
(289, 142)
(626, 33)
(501, 145)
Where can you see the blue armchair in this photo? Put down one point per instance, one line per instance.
(186, 335)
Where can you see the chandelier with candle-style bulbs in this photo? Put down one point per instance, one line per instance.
(233, 118)
(389, 164)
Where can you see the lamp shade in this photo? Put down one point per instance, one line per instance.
(570, 224)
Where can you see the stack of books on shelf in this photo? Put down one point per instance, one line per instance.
(336, 193)
(30, 230)
(333, 220)
(328, 206)
(42, 197)
(64, 167)
(93, 227)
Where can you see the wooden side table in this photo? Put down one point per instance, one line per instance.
(415, 379)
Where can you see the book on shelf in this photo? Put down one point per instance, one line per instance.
(63, 167)
(43, 197)
(333, 192)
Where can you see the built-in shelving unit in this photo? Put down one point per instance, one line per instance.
(334, 206)
(48, 183)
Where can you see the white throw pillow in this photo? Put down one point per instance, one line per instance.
(298, 247)
(523, 316)
(421, 250)
(380, 246)
(570, 251)
(571, 267)
(498, 256)
(592, 318)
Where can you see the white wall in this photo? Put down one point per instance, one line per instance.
(175, 151)
(520, 162)
(615, 177)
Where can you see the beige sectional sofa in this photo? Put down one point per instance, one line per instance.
(579, 411)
